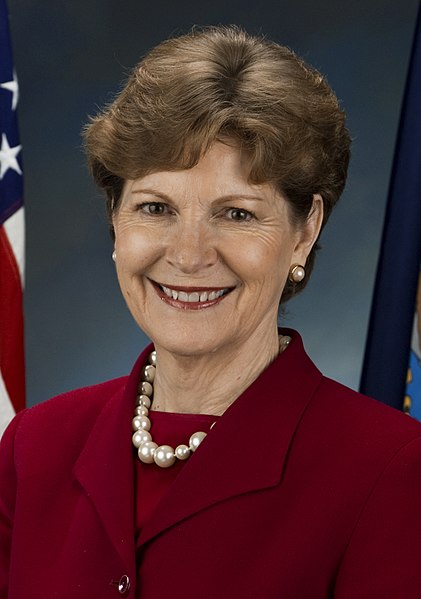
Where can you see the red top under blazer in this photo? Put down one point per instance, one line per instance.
(303, 490)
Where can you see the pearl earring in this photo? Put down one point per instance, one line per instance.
(296, 273)
(114, 255)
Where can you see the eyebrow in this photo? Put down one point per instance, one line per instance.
(151, 192)
(227, 198)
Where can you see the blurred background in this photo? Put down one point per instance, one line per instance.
(71, 57)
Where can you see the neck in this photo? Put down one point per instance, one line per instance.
(209, 383)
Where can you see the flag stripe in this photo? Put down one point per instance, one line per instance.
(15, 231)
(11, 325)
(6, 408)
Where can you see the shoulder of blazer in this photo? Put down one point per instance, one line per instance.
(77, 403)
(55, 430)
(363, 425)
(355, 404)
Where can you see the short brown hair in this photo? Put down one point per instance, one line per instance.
(216, 83)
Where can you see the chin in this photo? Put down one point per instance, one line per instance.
(187, 343)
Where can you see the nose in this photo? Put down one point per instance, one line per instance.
(192, 249)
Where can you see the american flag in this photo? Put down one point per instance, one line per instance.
(12, 373)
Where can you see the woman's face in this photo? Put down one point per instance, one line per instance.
(203, 255)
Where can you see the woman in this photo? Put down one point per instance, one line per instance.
(225, 465)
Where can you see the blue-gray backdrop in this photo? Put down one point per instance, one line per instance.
(72, 55)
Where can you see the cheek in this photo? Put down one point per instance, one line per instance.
(135, 250)
(261, 258)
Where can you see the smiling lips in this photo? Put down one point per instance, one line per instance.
(196, 296)
(191, 297)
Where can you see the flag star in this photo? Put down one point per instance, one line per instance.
(8, 157)
(12, 86)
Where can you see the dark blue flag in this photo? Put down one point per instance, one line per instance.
(388, 352)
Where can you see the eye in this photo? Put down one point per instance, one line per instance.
(154, 208)
(239, 214)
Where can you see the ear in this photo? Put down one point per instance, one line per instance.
(309, 231)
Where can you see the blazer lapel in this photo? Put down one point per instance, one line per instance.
(247, 448)
(105, 467)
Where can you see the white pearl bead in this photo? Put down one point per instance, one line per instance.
(164, 456)
(149, 373)
(182, 452)
(146, 388)
(284, 341)
(143, 400)
(298, 274)
(152, 358)
(140, 437)
(196, 439)
(141, 411)
(145, 423)
(146, 451)
(136, 423)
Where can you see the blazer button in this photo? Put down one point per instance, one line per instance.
(122, 585)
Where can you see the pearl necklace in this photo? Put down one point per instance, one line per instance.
(148, 451)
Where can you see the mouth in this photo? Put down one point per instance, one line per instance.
(191, 298)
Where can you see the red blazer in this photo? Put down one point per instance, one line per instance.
(303, 490)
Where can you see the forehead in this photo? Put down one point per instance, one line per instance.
(223, 170)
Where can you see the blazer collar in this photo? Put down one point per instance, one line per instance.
(265, 417)
(105, 466)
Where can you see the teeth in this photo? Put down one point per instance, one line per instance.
(167, 291)
(182, 296)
